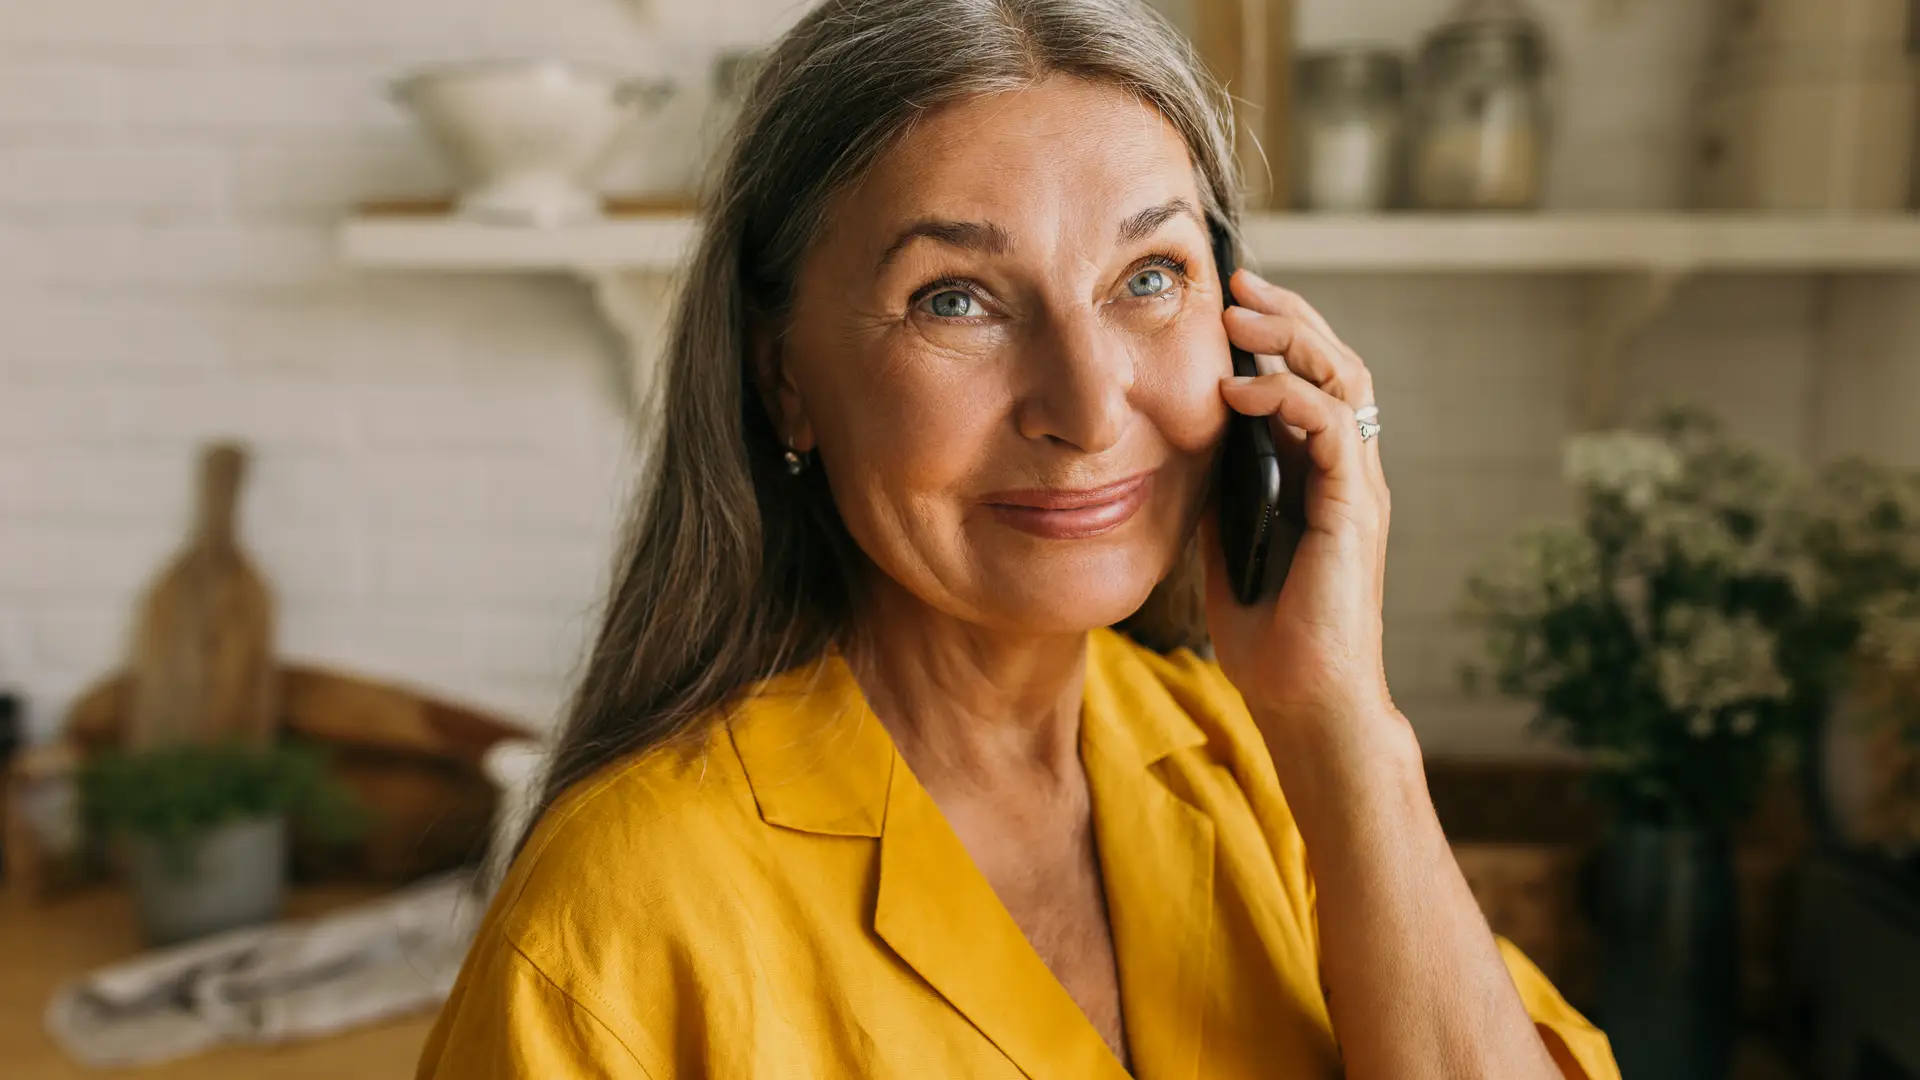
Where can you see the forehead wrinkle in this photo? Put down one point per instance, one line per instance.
(1144, 139)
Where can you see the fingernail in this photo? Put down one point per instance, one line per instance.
(1238, 380)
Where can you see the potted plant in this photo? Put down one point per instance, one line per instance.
(201, 829)
(1647, 636)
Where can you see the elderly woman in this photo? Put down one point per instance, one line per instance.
(889, 760)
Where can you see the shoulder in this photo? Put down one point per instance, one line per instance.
(656, 853)
(657, 861)
(655, 875)
(592, 927)
(616, 857)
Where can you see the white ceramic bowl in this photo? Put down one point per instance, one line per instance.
(528, 137)
(516, 767)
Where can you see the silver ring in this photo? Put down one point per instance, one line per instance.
(1368, 417)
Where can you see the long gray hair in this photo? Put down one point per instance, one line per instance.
(732, 570)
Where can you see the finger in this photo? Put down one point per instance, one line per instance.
(1307, 352)
(1280, 300)
(1380, 555)
(1258, 293)
(1376, 474)
(1332, 435)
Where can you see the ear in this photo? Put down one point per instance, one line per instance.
(779, 395)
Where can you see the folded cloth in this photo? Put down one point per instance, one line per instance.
(268, 984)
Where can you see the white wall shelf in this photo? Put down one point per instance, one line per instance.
(1636, 263)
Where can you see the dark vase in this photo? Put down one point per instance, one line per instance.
(1670, 966)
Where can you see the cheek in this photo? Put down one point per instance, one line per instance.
(907, 429)
(1177, 386)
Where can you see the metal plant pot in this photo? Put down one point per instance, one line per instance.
(231, 876)
(1669, 922)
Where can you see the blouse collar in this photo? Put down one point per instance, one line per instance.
(820, 761)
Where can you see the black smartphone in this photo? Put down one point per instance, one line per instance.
(1257, 534)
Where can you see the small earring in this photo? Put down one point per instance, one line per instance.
(796, 464)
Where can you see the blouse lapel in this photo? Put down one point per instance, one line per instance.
(838, 773)
(1156, 853)
(940, 915)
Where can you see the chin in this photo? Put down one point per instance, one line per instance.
(1062, 599)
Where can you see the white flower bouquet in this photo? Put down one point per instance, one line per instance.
(1650, 633)
(1698, 622)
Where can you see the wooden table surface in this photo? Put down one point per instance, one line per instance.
(42, 945)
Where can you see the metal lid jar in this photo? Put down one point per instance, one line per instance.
(1482, 118)
(1350, 106)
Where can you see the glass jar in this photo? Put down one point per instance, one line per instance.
(1348, 130)
(1482, 112)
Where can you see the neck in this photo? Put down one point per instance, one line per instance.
(963, 701)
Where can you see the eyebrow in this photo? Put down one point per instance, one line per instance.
(1146, 222)
(992, 239)
(970, 235)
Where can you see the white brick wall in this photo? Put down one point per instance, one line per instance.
(440, 461)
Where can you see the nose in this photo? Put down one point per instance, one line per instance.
(1080, 385)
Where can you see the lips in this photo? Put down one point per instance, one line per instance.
(1072, 513)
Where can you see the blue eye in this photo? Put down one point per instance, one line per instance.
(952, 304)
(1149, 282)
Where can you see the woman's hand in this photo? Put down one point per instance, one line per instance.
(1308, 661)
(1415, 985)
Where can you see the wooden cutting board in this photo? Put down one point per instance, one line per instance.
(328, 707)
(202, 666)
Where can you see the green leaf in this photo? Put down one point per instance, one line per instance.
(173, 793)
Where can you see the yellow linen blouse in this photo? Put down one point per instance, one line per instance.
(785, 900)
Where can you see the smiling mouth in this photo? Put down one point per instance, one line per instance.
(1072, 513)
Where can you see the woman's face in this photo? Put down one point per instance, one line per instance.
(1006, 351)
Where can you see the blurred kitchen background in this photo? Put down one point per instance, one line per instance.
(340, 280)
